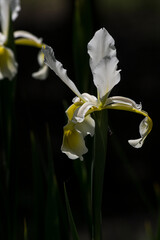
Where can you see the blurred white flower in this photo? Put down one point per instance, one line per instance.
(8, 64)
(103, 64)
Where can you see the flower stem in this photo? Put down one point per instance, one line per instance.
(98, 166)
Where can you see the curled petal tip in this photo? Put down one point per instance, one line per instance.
(136, 143)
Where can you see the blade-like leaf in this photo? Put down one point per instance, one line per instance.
(82, 32)
(52, 222)
(73, 229)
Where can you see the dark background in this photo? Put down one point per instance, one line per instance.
(129, 197)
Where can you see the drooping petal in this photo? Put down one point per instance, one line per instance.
(145, 126)
(144, 129)
(28, 39)
(87, 126)
(22, 35)
(122, 100)
(42, 73)
(136, 143)
(73, 142)
(103, 62)
(8, 64)
(57, 67)
(15, 8)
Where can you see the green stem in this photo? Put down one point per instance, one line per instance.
(98, 167)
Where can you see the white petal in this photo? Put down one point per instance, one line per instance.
(123, 100)
(15, 8)
(73, 143)
(89, 98)
(4, 16)
(28, 35)
(57, 67)
(41, 74)
(144, 127)
(136, 143)
(8, 65)
(87, 126)
(81, 111)
(105, 76)
(103, 61)
(101, 46)
(2, 39)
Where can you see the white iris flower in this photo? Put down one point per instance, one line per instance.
(8, 64)
(103, 64)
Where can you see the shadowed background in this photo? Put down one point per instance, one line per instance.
(129, 197)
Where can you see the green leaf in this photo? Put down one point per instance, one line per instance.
(70, 217)
(25, 230)
(83, 174)
(38, 189)
(82, 33)
(52, 222)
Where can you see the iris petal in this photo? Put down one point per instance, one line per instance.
(144, 129)
(57, 67)
(82, 111)
(15, 8)
(4, 17)
(87, 126)
(103, 62)
(8, 64)
(73, 143)
(42, 73)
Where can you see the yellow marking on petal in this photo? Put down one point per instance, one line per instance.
(28, 42)
(71, 139)
(73, 142)
(71, 110)
(4, 56)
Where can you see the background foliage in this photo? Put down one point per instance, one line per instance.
(129, 198)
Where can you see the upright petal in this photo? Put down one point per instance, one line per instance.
(4, 17)
(15, 8)
(103, 62)
(73, 142)
(126, 104)
(57, 67)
